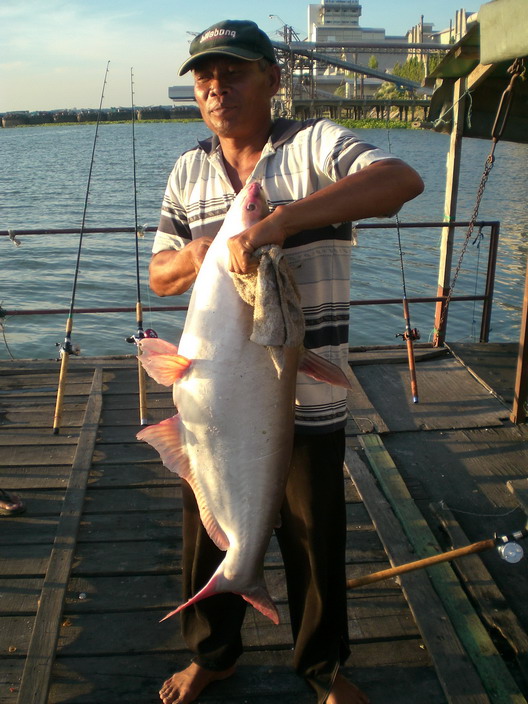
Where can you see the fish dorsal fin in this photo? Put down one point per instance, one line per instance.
(166, 438)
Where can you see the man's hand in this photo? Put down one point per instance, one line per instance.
(196, 251)
(173, 272)
(270, 230)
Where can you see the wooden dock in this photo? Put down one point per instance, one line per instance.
(91, 567)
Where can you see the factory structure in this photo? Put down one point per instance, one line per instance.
(339, 68)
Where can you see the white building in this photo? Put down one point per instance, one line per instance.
(336, 22)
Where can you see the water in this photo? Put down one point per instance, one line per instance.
(43, 180)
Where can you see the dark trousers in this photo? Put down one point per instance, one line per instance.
(312, 541)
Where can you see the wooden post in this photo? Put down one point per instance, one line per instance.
(450, 206)
(520, 390)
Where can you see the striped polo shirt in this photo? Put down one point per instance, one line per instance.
(298, 159)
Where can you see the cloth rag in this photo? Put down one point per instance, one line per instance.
(278, 320)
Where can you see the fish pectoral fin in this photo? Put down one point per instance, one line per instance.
(161, 360)
(165, 437)
(321, 369)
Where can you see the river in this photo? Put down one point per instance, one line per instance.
(43, 181)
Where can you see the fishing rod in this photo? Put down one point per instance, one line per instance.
(506, 545)
(140, 334)
(67, 348)
(410, 334)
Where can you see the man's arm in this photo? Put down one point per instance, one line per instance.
(378, 190)
(173, 271)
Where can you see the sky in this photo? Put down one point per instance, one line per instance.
(54, 53)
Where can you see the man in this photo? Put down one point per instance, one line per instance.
(318, 177)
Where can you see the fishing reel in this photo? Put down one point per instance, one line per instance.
(141, 334)
(508, 547)
(412, 335)
(66, 348)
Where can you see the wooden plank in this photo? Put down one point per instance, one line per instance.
(128, 557)
(80, 634)
(130, 401)
(493, 672)
(493, 364)
(457, 677)
(450, 206)
(10, 675)
(162, 556)
(397, 667)
(131, 475)
(156, 500)
(442, 382)
(19, 596)
(18, 479)
(469, 471)
(28, 530)
(119, 453)
(41, 654)
(24, 560)
(518, 414)
(492, 605)
(36, 456)
(35, 436)
(393, 354)
(129, 593)
(360, 408)
(14, 417)
(519, 488)
(15, 634)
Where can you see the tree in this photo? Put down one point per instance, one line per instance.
(389, 91)
(413, 69)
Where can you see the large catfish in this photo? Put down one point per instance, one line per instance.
(232, 437)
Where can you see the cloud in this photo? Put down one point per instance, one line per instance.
(58, 52)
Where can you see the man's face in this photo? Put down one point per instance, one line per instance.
(234, 95)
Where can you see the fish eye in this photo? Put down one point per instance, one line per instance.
(251, 206)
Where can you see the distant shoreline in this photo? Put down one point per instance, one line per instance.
(103, 122)
(352, 124)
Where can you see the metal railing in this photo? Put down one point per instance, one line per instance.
(486, 297)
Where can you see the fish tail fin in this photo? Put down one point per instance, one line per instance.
(258, 597)
(161, 360)
(322, 369)
(262, 601)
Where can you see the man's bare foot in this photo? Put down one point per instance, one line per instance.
(186, 686)
(344, 692)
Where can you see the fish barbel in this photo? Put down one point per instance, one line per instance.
(232, 437)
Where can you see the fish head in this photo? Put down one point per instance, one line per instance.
(254, 204)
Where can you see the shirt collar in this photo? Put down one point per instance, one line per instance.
(282, 130)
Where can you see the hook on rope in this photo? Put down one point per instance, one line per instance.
(14, 239)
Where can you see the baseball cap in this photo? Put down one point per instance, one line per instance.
(241, 39)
